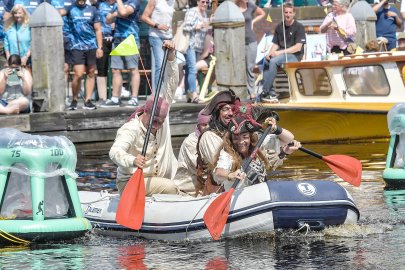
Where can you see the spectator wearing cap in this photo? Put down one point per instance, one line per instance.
(388, 19)
(239, 143)
(159, 163)
(186, 175)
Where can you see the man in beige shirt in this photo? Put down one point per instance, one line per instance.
(186, 175)
(159, 164)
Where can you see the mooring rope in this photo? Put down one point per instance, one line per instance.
(212, 195)
(306, 226)
(13, 238)
(104, 195)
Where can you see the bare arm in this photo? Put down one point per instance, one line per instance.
(377, 6)
(99, 38)
(222, 175)
(293, 49)
(26, 79)
(124, 11)
(3, 80)
(6, 16)
(62, 12)
(110, 17)
(147, 13)
(259, 16)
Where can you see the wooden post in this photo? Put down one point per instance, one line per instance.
(229, 43)
(365, 18)
(48, 59)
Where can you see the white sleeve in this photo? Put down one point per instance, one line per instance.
(225, 161)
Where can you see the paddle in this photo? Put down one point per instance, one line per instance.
(346, 167)
(131, 207)
(217, 213)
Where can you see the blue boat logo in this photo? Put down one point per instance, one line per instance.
(306, 189)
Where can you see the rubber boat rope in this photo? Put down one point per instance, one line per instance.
(306, 226)
(211, 196)
(104, 195)
(12, 238)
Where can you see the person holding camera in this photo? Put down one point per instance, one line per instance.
(15, 87)
(388, 19)
(340, 28)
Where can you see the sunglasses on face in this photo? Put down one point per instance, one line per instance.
(204, 2)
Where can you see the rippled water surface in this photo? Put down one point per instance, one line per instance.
(377, 242)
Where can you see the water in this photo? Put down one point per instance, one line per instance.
(377, 242)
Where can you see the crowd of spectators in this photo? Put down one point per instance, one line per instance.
(92, 29)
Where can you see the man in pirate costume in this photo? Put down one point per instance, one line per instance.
(159, 164)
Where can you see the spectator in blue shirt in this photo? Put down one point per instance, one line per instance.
(29, 5)
(65, 4)
(388, 19)
(125, 16)
(87, 41)
(104, 8)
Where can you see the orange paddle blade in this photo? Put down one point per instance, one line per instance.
(131, 207)
(217, 214)
(346, 167)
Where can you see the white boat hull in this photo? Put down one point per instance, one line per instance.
(259, 208)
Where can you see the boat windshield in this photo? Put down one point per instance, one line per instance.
(313, 82)
(366, 81)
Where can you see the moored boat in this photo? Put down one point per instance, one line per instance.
(38, 193)
(259, 208)
(342, 99)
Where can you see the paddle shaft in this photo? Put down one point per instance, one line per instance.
(346, 167)
(246, 163)
(155, 101)
(309, 152)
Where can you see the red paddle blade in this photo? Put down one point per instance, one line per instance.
(217, 214)
(346, 167)
(131, 207)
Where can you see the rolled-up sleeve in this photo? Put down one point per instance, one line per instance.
(119, 152)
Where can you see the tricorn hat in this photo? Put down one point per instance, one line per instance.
(239, 125)
(223, 97)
